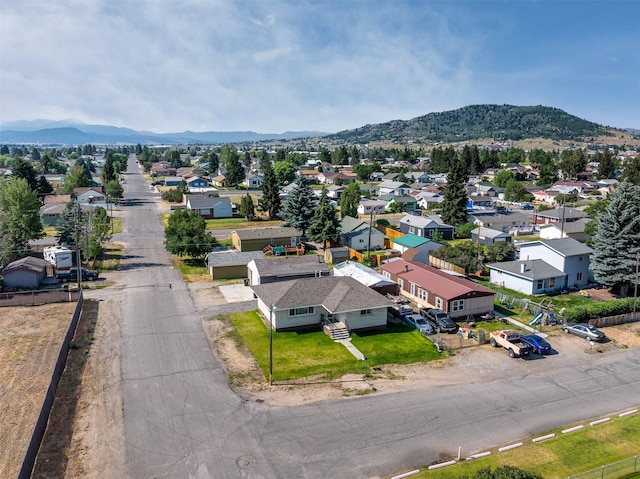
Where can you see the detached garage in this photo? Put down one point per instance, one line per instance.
(25, 273)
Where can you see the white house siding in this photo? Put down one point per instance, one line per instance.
(512, 282)
(361, 242)
(357, 320)
(282, 320)
(577, 270)
(474, 306)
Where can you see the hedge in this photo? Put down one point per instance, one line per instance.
(594, 310)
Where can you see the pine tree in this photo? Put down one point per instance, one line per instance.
(607, 166)
(43, 187)
(270, 201)
(616, 242)
(230, 158)
(24, 169)
(299, 206)
(325, 225)
(454, 205)
(632, 170)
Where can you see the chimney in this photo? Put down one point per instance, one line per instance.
(523, 267)
(406, 268)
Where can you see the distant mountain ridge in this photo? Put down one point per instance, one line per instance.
(74, 132)
(474, 122)
(500, 122)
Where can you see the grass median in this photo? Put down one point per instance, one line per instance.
(313, 354)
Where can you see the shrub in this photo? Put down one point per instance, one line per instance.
(594, 310)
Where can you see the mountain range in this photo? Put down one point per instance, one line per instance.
(496, 122)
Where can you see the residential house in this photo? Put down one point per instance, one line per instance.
(335, 178)
(512, 222)
(219, 181)
(285, 268)
(254, 180)
(334, 192)
(50, 213)
(367, 276)
(93, 195)
(367, 207)
(230, 264)
(490, 173)
(390, 176)
(568, 255)
(25, 273)
(407, 241)
(173, 181)
(210, 207)
(429, 199)
(433, 288)
(532, 277)
(569, 229)
(388, 189)
(196, 182)
(421, 252)
(309, 175)
(488, 236)
(256, 239)
(376, 176)
(162, 169)
(487, 189)
(360, 235)
(558, 215)
(310, 302)
(405, 203)
(426, 226)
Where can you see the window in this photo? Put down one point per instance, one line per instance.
(401, 283)
(386, 274)
(552, 282)
(301, 311)
(422, 294)
(361, 240)
(579, 258)
(457, 305)
(540, 284)
(365, 311)
(579, 277)
(439, 303)
(413, 289)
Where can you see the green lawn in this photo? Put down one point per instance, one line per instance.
(562, 456)
(239, 222)
(302, 354)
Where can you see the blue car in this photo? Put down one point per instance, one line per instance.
(540, 345)
(527, 207)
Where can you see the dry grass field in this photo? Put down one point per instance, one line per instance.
(30, 339)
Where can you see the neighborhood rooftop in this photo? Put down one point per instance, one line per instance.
(533, 269)
(563, 246)
(251, 233)
(335, 294)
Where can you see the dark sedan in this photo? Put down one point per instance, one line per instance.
(539, 345)
(440, 320)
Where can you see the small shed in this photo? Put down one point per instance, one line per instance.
(230, 264)
(488, 236)
(256, 239)
(336, 255)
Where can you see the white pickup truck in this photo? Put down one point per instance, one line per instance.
(511, 341)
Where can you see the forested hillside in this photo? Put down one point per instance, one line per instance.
(499, 122)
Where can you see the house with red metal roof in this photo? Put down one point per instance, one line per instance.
(430, 287)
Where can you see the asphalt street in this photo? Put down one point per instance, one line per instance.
(183, 421)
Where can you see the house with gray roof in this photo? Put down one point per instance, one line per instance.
(366, 207)
(359, 235)
(426, 226)
(572, 229)
(209, 206)
(285, 268)
(488, 236)
(531, 277)
(311, 302)
(388, 189)
(568, 255)
(230, 264)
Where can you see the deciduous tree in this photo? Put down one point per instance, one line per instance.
(19, 219)
(186, 235)
(350, 200)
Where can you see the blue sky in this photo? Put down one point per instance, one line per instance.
(323, 65)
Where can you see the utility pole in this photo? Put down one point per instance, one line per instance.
(370, 226)
(635, 285)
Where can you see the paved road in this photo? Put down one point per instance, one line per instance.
(182, 420)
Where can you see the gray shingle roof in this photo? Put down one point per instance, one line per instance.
(335, 294)
(563, 246)
(203, 201)
(290, 265)
(233, 258)
(251, 233)
(28, 262)
(534, 269)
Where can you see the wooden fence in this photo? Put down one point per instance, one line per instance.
(35, 298)
(390, 232)
(442, 264)
(615, 320)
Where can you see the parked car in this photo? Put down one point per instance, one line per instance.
(72, 275)
(440, 320)
(527, 207)
(584, 330)
(418, 322)
(511, 341)
(539, 345)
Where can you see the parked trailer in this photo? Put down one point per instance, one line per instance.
(59, 256)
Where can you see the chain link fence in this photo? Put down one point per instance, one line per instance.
(614, 470)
